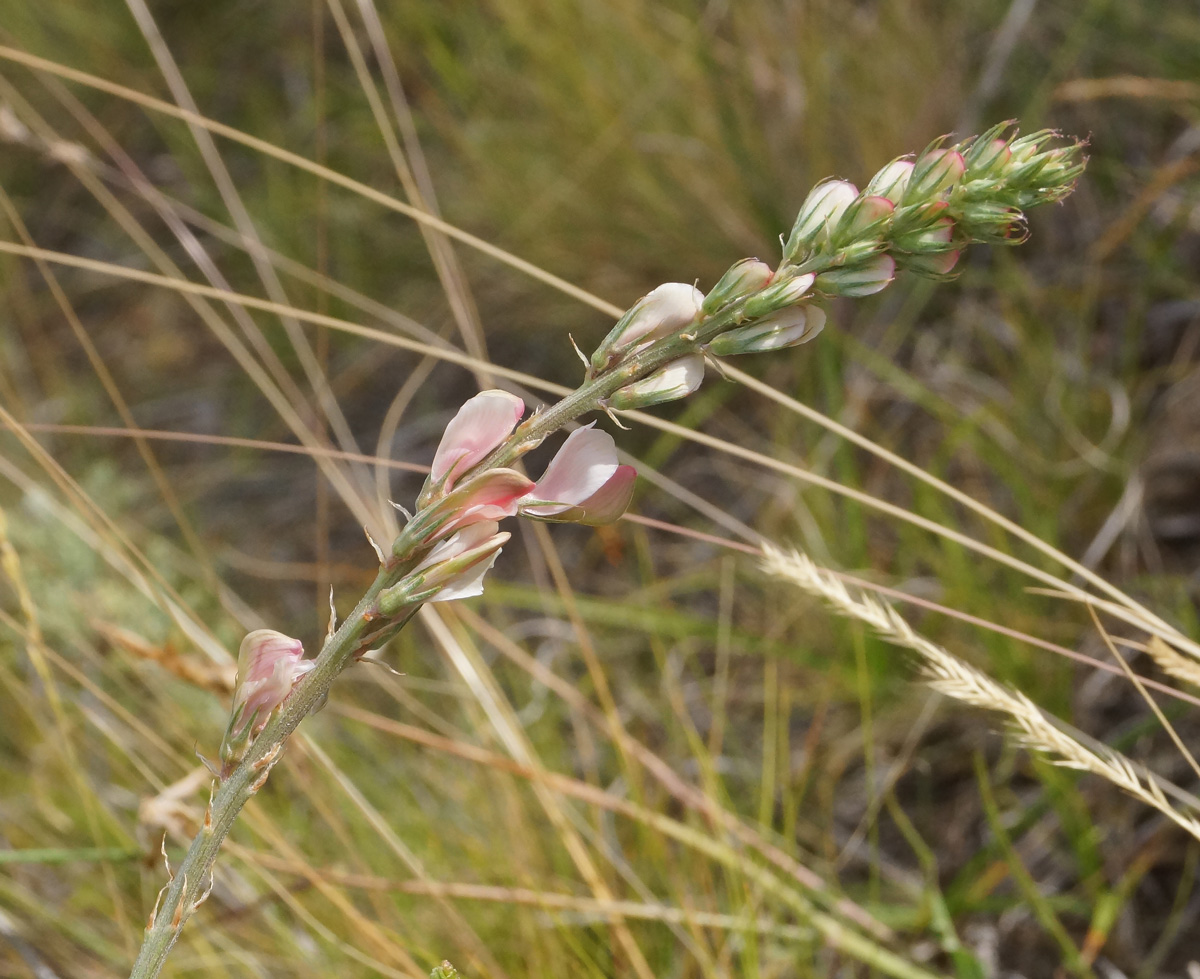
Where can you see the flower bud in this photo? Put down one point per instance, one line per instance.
(822, 208)
(933, 238)
(987, 157)
(747, 276)
(786, 290)
(892, 180)
(933, 265)
(676, 380)
(672, 306)
(583, 483)
(269, 664)
(867, 214)
(933, 172)
(860, 280)
(786, 328)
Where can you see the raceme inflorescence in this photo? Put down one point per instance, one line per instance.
(915, 214)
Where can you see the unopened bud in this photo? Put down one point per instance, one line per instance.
(933, 238)
(933, 265)
(934, 172)
(892, 180)
(987, 156)
(861, 280)
(677, 380)
(822, 208)
(672, 306)
(786, 328)
(784, 291)
(864, 216)
(747, 276)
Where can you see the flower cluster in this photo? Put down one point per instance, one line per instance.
(916, 214)
(583, 483)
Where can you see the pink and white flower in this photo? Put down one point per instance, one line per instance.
(584, 483)
(269, 664)
(493, 495)
(481, 425)
(457, 565)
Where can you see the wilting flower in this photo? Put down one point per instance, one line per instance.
(747, 276)
(859, 280)
(269, 663)
(583, 483)
(786, 328)
(454, 568)
(479, 427)
(672, 306)
(677, 380)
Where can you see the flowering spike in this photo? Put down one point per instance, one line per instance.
(747, 276)
(480, 425)
(677, 380)
(672, 306)
(583, 483)
(786, 328)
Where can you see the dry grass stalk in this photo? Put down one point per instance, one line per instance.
(951, 676)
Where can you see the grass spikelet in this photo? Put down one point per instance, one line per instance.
(1173, 663)
(949, 675)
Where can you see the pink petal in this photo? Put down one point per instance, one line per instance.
(493, 496)
(610, 500)
(480, 426)
(586, 461)
(269, 664)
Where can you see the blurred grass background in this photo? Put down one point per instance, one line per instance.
(634, 755)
